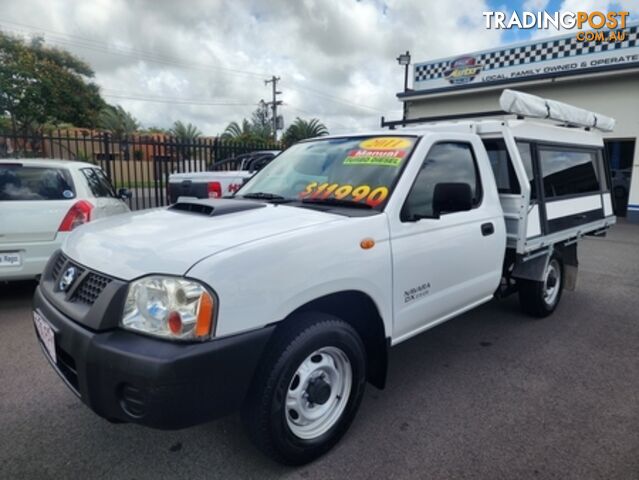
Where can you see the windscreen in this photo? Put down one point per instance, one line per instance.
(355, 169)
(22, 182)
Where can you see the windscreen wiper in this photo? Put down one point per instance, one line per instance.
(266, 196)
(337, 202)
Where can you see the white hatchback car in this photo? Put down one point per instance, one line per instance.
(41, 201)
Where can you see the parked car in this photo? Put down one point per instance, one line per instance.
(285, 300)
(41, 202)
(223, 178)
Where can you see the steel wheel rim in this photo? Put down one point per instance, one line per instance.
(308, 420)
(552, 282)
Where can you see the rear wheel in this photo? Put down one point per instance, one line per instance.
(307, 390)
(540, 298)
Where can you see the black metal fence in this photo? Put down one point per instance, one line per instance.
(141, 163)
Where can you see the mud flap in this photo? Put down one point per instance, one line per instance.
(533, 266)
(571, 265)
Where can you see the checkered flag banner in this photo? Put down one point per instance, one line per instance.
(522, 55)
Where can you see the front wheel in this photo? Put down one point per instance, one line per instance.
(540, 298)
(307, 391)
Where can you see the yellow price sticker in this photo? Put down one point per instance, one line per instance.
(386, 143)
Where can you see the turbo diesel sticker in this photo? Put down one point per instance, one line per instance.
(384, 158)
(387, 143)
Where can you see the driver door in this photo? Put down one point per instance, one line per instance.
(445, 264)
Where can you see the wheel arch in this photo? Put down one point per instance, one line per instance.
(360, 311)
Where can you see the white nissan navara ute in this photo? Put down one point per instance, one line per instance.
(283, 301)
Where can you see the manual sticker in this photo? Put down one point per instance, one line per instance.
(384, 158)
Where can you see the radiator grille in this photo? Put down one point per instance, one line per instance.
(90, 288)
(91, 285)
(57, 266)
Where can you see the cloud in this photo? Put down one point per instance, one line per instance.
(205, 61)
(589, 6)
(535, 5)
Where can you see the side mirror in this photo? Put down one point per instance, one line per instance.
(452, 197)
(124, 194)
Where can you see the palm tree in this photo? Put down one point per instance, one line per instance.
(301, 129)
(246, 132)
(117, 120)
(185, 133)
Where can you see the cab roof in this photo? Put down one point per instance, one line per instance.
(48, 162)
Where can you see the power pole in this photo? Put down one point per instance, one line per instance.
(273, 104)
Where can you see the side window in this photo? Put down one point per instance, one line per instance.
(525, 152)
(502, 166)
(98, 183)
(568, 172)
(448, 162)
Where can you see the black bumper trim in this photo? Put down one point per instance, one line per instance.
(127, 377)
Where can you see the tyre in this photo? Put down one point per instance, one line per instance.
(540, 299)
(307, 390)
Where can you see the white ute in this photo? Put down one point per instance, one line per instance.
(41, 201)
(284, 301)
(223, 179)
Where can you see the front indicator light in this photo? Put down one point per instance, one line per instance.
(173, 308)
(204, 315)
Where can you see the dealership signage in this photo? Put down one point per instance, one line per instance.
(557, 56)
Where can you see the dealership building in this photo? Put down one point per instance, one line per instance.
(599, 76)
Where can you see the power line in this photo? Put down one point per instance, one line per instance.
(335, 99)
(176, 101)
(113, 92)
(84, 42)
(295, 109)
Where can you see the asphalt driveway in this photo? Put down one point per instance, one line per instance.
(489, 395)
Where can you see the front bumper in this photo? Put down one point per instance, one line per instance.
(123, 376)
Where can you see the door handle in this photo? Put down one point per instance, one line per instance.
(487, 229)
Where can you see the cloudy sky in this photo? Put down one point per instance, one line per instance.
(205, 61)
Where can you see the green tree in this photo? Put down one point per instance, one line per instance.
(258, 129)
(261, 123)
(301, 129)
(5, 124)
(41, 84)
(154, 130)
(234, 131)
(117, 121)
(243, 133)
(185, 133)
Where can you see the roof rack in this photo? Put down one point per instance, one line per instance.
(525, 105)
(440, 118)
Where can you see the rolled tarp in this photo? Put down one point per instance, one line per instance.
(528, 105)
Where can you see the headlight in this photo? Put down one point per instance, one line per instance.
(169, 307)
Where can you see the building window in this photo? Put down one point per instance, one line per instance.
(620, 155)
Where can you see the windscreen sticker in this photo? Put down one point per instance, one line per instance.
(383, 158)
(360, 193)
(387, 143)
(67, 194)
